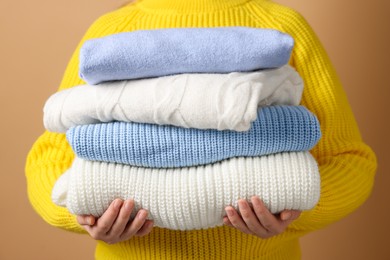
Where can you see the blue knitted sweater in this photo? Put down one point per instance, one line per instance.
(161, 52)
(277, 129)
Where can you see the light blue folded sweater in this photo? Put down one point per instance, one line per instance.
(161, 52)
(277, 129)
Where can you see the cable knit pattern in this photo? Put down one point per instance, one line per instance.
(192, 197)
(204, 101)
(347, 165)
(277, 129)
(182, 50)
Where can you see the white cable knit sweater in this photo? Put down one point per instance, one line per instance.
(203, 101)
(192, 197)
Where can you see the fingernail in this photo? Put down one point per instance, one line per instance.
(127, 205)
(117, 203)
(242, 204)
(89, 221)
(229, 212)
(142, 214)
(286, 216)
(256, 201)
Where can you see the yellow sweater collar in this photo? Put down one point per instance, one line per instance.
(190, 5)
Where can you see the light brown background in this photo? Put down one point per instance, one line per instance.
(36, 41)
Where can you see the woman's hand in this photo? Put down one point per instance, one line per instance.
(258, 221)
(114, 225)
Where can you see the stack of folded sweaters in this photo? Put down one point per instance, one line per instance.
(186, 122)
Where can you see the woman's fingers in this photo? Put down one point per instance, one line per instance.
(88, 220)
(288, 216)
(115, 225)
(122, 219)
(145, 229)
(236, 220)
(227, 222)
(137, 223)
(258, 220)
(105, 222)
(250, 219)
(266, 218)
(285, 215)
(296, 214)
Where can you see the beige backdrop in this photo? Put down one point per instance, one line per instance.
(37, 39)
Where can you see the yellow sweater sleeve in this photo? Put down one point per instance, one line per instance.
(51, 154)
(347, 165)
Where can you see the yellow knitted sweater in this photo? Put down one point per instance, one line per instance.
(347, 165)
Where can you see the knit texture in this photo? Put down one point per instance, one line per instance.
(347, 165)
(182, 50)
(192, 197)
(204, 101)
(277, 129)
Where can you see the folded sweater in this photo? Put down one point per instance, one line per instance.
(192, 197)
(277, 129)
(203, 101)
(161, 52)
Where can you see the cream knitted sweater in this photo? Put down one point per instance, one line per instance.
(192, 197)
(203, 101)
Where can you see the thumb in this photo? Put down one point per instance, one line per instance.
(86, 220)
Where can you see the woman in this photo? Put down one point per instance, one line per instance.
(347, 166)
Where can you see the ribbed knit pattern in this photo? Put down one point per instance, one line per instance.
(192, 197)
(347, 165)
(182, 50)
(277, 129)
